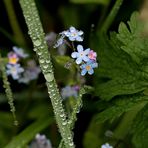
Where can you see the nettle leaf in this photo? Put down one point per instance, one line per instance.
(119, 73)
(140, 129)
(120, 105)
(134, 43)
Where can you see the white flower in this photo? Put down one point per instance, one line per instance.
(20, 52)
(106, 145)
(73, 34)
(69, 91)
(40, 142)
(31, 72)
(81, 55)
(14, 70)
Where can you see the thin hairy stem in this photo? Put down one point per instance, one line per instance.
(111, 16)
(40, 47)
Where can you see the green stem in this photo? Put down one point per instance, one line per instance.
(40, 46)
(111, 16)
(76, 110)
(123, 127)
(8, 91)
(18, 35)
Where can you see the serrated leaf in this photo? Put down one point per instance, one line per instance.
(132, 38)
(104, 2)
(121, 105)
(119, 73)
(28, 134)
(123, 75)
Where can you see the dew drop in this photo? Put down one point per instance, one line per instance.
(71, 144)
(42, 61)
(37, 43)
(62, 115)
(47, 61)
(45, 66)
(49, 77)
(39, 53)
(34, 49)
(64, 123)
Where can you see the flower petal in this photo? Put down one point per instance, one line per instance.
(72, 29)
(78, 38)
(85, 58)
(86, 51)
(91, 71)
(80, 48)
(74, 54)
(71, 38)
(80, 32)
(79, 60)
(94, 65)
(83, 72)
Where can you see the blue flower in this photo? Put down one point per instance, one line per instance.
(69, 91)
(106, 145)
(31, 72)
(73, 34)
(40, 141)
(88, 67)
(81, 55)
(20, 52)
(14, 70)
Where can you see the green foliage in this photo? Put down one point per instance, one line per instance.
(28, 134)
(133, 41)
(121, 80)
(105, 2)
(140, 129)
(121, 73)
(120, 105)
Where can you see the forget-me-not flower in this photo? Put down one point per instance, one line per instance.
(40, 142)
(106, 145)
(92, 55)
(14, 70)
(69, 91)
(20, 52)
(13, 58)
(73, 34)
(81, 55)
(88, 67)
(31, 72)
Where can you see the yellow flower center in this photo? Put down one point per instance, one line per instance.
(88, 67)
(73, 34)
(13, 60)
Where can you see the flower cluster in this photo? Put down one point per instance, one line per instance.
(13, 68)
(70, 91)
(85, 58)
(72, 34)
(40, 142)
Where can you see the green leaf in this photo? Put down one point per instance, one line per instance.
(122, 75)
(132, 38)
(28, 134)
(119, 73)
(104, 2)
(120, 105)
(140, 129)
(94, 133)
